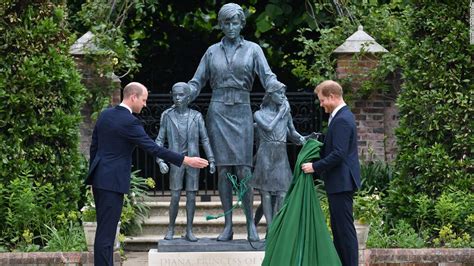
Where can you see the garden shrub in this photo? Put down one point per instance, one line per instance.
(41, 94)
(375, 176)
(428, 44)
(70, 238)
(402, 235)
(435, 136)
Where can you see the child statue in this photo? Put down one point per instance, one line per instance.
(272, 174)
(182, 128)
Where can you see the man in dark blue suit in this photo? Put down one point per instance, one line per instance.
(340, 169)
(116, 133)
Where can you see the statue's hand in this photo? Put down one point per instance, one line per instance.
(287, 108)
(313, 135)
(164, 168)
(212, 167)
(302, 140)
(284, 109)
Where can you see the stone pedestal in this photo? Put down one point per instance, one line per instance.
(228, 258)
(209, 244)
(207, 251)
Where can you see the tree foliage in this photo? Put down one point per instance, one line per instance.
(384, 22)
(41, 95)
(170, 37)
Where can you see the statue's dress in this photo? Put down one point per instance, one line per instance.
(299, 235)
(272, 170)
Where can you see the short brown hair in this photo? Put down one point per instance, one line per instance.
(133, 88)
(329, 87)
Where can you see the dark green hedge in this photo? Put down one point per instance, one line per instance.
(435, 166)
(41, 95)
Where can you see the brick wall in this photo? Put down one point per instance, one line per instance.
(91, 79)
(52, 258)
(367, 257)
(417, 257)
(376, 115)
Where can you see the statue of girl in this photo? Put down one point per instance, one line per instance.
(272, 174)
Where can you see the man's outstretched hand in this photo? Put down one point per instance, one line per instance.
(195, 162)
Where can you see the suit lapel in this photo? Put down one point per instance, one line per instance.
(330, 128)
(173, 118)
(191, 118)
(339, 113)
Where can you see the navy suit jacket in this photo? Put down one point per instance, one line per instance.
(116, 133)
(339, 163)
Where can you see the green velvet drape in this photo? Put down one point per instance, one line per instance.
(299, 234)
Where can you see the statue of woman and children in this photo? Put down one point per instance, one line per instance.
(227, 137)
(230, 67)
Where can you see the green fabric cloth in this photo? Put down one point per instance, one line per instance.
(298, 234)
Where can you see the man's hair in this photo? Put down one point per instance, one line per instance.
(228, 11)
(133, 88)
(183, 85)
(329, 87)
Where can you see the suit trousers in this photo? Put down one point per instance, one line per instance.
(342, 226)
(108, 206)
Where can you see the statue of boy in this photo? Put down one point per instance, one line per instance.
(182, 128)
(272, 174)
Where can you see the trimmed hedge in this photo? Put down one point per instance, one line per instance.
(41, 94)
(433, 185)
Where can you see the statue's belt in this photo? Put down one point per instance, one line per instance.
(230, 96)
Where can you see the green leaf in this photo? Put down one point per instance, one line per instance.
(263, 25)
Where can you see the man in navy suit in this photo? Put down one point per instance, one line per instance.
(116, 133)
(340, 169)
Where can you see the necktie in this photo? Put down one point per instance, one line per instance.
(330, 118)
